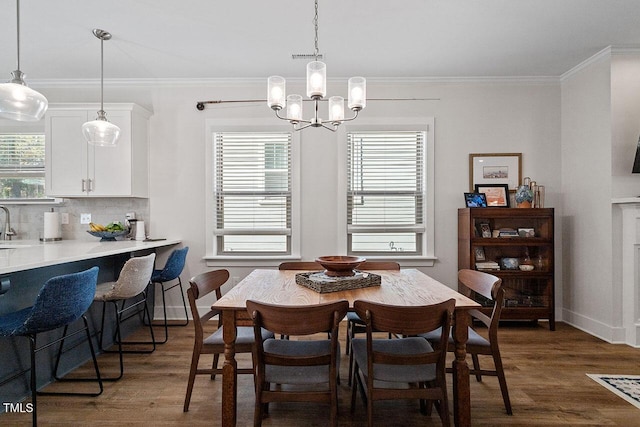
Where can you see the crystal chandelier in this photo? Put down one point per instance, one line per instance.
(100, 131)
(316, 91)
(17, 100)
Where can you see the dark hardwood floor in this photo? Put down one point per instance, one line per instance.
(545, 373)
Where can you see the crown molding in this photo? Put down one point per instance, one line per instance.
(607, 52)
(604, 53)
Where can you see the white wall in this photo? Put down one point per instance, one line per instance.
(586, 197)
(470, 117)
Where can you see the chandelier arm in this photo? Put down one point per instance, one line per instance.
(289, 120)
(332, 129)
(296, 128)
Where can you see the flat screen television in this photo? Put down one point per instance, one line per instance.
(636, 162)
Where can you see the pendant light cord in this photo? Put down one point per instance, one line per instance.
(102, 75)
(18, 32)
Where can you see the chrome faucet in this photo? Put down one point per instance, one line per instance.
(8, 231)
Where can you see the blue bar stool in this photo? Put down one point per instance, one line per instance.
(61, 301)
(172, 271)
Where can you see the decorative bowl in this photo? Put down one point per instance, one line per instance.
(526, 267)
(340, 265)
(509, 263)
(108, 236)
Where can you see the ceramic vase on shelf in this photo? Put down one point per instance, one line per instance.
(524, 195)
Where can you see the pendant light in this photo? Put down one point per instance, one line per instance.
(100, 131)
(17, 100)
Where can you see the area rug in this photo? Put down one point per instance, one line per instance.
(625, 386)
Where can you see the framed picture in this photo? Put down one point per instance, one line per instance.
(497, 195)
(475, 200)
(478, 252)
(485, 230)
(495, 168)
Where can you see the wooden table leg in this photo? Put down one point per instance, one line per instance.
(229, 369)
(461, 392)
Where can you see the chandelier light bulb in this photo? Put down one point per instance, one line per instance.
(357, 93)
(294, 107)
(276, 92)
(336, 108)
(316, 79)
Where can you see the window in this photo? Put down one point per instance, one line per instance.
(386, 207)
(252, 186)
(22, 166)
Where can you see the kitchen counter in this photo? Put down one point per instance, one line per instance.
(26, 265)
(20, 255)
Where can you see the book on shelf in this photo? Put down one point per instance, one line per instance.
(487, 266)
(508, 232)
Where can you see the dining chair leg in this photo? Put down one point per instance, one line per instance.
(214, 365)
(476, 366)
(497, 360)
(195, 359)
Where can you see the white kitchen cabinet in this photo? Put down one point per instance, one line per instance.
(77, 169)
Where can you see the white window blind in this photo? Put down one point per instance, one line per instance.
(22, 166)
(252, 186)
(385, 192)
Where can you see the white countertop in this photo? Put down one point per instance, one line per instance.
(28, 254)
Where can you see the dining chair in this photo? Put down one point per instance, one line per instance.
(171, 272)
(355, 325)
(200, 286)
(131, 286)
(401, 368)
(308, 365)
(61, 301)
(300, 265)
(489, 287)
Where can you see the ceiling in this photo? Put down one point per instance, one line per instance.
(247, 39)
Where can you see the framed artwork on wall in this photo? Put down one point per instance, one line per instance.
(495, 168)
(497, 195)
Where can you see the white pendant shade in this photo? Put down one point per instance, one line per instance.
(20, 102)
(101, 132)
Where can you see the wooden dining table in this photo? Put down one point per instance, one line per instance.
(406, 287)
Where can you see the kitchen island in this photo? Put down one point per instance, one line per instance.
(26, 265)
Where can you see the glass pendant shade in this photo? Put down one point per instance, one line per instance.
(20, 102)
(336, 108)
(101, 132)
(316, 79)
(294, 108)
(276, 92)
(357, 93)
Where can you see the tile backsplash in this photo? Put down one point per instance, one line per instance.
(28, 220)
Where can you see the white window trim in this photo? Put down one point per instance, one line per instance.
(9, 127)
(238, 125)
(427, 124)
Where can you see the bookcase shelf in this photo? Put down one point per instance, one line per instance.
(529, 295)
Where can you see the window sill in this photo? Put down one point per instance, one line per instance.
(248, 261)
(274, 261)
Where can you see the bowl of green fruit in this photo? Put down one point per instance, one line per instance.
(109, 232)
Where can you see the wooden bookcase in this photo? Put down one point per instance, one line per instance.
(529, 295)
